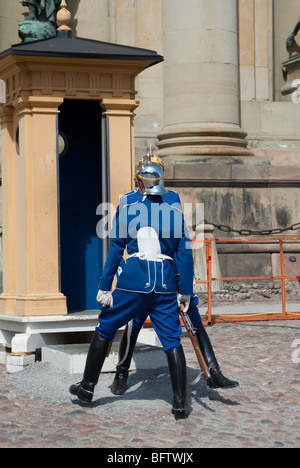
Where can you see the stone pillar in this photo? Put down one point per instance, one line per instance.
(31, 265)
(8, 221)
(120, 113)
(201, 81)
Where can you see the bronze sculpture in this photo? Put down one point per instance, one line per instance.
(41, 21)
(291, 38)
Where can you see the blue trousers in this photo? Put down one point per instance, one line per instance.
(193, 312)
(161, 308)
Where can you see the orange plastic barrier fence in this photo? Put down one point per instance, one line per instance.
(209, 318)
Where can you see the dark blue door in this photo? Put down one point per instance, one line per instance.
(79, 195)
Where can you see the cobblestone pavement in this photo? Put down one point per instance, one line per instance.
(264, 411)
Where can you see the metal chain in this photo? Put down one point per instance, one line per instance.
(244, 232)
(249, 232)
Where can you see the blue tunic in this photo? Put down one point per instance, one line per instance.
(164, 214)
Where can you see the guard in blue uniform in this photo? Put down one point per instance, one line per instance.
(153, 231)
(131, 332)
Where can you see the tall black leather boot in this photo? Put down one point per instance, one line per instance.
(84, 390)
(126, 348)
(217, 379)
(177, 368)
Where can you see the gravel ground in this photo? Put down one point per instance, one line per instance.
(37, 411)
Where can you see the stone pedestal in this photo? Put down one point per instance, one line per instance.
(291, 69)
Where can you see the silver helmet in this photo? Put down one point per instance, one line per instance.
(151, 171)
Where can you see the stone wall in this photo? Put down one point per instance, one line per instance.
(193, 88)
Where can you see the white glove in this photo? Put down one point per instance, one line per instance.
(105, 298)
(185, 300)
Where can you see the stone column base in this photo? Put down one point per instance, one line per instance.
(50, 304)
(211, 139)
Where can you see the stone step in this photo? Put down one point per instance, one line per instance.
(71, 358)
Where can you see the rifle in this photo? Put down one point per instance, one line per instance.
(192, 334)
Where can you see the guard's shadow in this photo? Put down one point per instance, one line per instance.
(155, 384)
